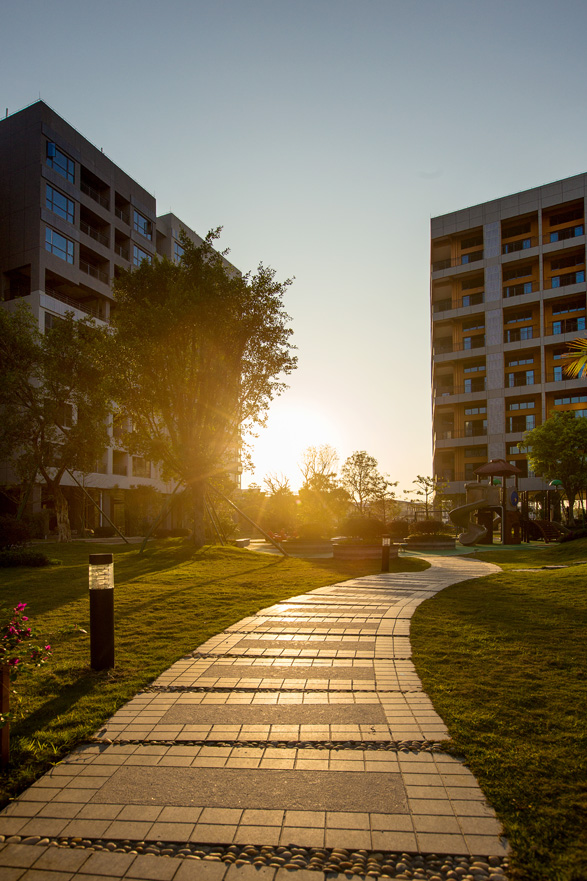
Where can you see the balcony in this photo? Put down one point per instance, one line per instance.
(123, 214)
(94, 272)
(520, 245)
(518, 290)
(123, 251)
(463, 260)
(442, 306)
(75, 304)
(566, 325)
(102, 198)
(561, 235)
(469, 343)
(476, 430)
(519, 334)
(568, 278)
(94, 233)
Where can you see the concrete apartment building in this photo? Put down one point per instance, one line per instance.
(68, 218)
(508, 293)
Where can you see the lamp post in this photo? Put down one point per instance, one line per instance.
(101, 577)
(385, 547)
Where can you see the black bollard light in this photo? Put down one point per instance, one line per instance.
(101, 611)
(385, 547)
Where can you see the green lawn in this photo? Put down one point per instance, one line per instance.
(504, 659)
(167, 602)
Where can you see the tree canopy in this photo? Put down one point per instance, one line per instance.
(200, 351)
(53, 400)
(363, 482)
(557, 449)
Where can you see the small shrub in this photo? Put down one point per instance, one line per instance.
(398, 529)
(428, 527)
(104, 532)
(311, 531)
(429, 538)
(38, 523)
(367, 528)
(23, 557)
(13, 532)
(571, 536)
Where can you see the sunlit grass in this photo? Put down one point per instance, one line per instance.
(504, 660)
(167, 602)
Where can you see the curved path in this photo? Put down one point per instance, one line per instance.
(303, 725)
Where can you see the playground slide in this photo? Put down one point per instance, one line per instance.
(472, 531)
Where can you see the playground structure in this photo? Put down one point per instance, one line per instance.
(491, 502)
(495, 503)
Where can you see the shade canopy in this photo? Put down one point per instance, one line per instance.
(497, 468)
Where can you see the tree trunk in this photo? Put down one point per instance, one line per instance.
(199, 501)
(62, 514)
(571, 501)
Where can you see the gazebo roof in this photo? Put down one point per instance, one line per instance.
(497, 468)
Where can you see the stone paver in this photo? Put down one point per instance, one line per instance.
(307, 683)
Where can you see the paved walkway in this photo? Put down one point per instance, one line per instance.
(303, 726)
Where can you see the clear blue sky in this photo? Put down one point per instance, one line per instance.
(323, 135)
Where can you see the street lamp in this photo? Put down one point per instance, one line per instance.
(385, 548)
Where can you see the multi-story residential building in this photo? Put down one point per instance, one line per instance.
(508, 293)
(69, 217)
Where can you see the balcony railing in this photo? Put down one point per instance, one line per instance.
(75, 304)
(561, 281)
(123, 214)
(442, 306)
(470, 344)
(123, 251)
(565, 325)
(469, 387)
(463, 260)
(101, 198)
(518, 290)
(94, 272)
(570, 232)
(518, 334)
(520, 245)
(94, 233)
(455, 433)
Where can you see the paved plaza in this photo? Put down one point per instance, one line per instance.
(304, 726)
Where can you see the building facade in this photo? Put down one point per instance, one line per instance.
(508, 294)
(69, 217)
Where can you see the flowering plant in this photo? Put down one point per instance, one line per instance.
(18, 649)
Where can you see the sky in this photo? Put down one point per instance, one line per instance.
(322, 135)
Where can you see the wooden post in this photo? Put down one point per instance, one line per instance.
(4, 708)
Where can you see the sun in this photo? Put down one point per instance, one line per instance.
(291, 429)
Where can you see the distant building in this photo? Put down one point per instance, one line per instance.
(508, 293)
(69, 217)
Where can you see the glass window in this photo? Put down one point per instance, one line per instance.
(475, 411)
(58, 245)
(141, 467)
(571, 399)
(138, 255)
(59, 204)
(59, 161)
(178, 251)
(142, 225)
(557, 374)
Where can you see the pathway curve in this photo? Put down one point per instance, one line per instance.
(300, 737)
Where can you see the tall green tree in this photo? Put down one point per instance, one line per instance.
(200, 352)
(53, 400)
(557, 449)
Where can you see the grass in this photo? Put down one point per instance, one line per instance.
(504, 660)
(167, 602)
